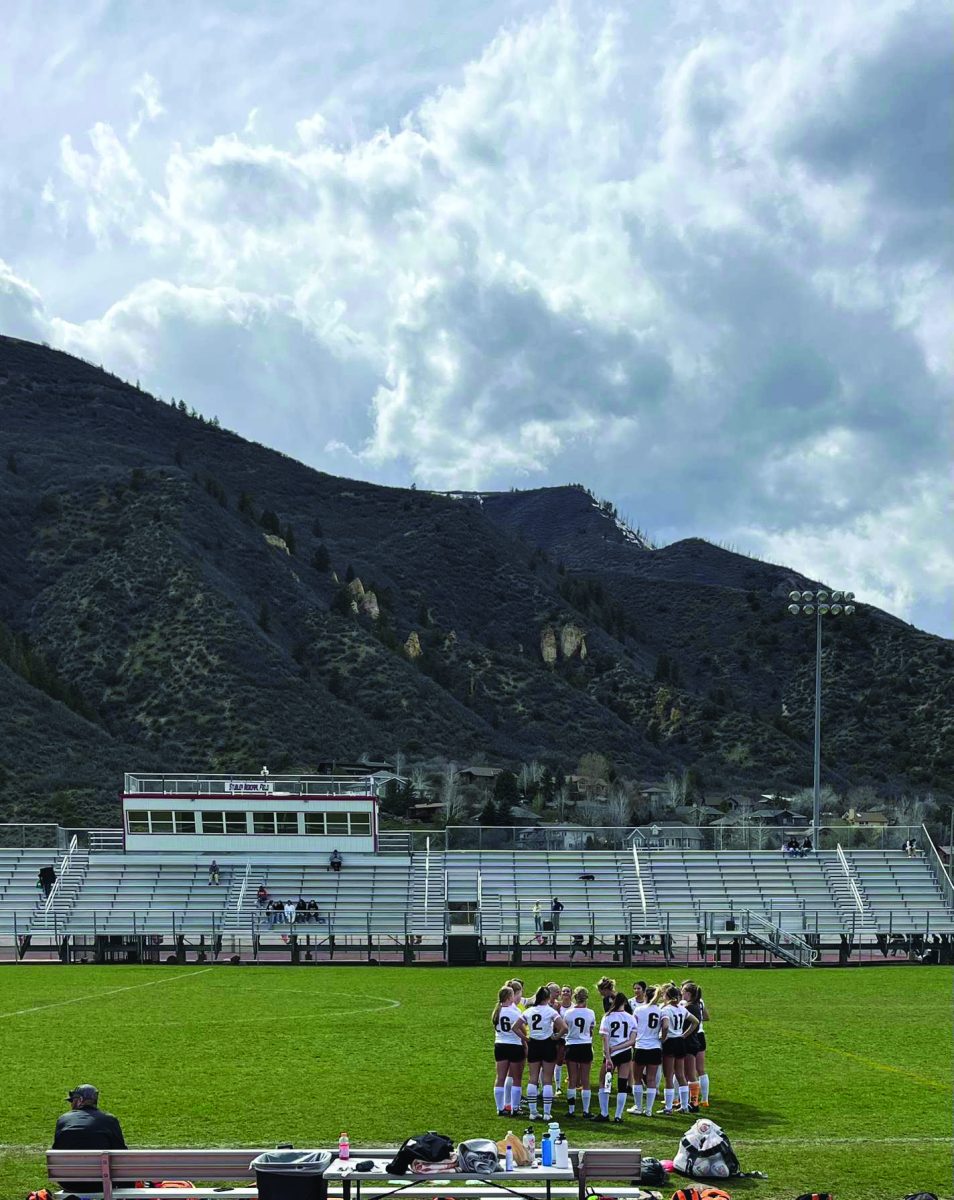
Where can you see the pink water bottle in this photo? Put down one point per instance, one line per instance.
(344, 1147)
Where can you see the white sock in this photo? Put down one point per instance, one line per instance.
(547, 1099)
(586, 1094)
(621, 1098)
(499, 1098)
(638, 1097)
(704, 1087)
(684, 1096)
(532, 1099)
(557, 1077)
(669, 1095)
(515, 1097)
(571, 1099)
(508, 1084)
(650, 1099)
(604, 1102)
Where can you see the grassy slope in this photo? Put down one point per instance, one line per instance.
(263, 1055)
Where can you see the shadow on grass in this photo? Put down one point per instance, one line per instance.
(736, 1117)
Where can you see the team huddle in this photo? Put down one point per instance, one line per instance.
(657, 1037)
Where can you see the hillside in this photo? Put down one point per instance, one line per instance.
(173, 595)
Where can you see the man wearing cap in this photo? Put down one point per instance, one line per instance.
(87, 1127)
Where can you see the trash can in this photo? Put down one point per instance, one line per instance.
(292, 1174)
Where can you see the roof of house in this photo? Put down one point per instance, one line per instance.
(868, 818)
(481, 772)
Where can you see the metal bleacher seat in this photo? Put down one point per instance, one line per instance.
(19, 895)
(901, 892)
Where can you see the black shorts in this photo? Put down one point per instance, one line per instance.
(579, 1052)
(541, 1050)
(701, 1039)
(649, 1057)
(674, 1047)
(692, 1044)
(507, 1052)
(622, 1056)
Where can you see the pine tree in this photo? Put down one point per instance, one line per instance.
(322, 559)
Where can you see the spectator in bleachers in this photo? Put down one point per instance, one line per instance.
(276, 914)
(262, 895)
(910, 847)
(313, 911)
(87, 1127)
(290, 911)
(807, 847)
(46, 877)
(334, 862)
(301, 910)
(213, 873)
(555, 909)
(537, 918)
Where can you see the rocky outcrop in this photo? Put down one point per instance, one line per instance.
(356, 588)
(572, 641)
(412, 646)
(566, 641)
(368, 604)
(274, 540)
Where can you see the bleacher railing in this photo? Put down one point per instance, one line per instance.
(937, 868)
(852, 884)
(274, 785)
(31, 837)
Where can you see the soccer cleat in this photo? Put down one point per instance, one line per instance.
(617, 1120)
(703, 1103)
(669, 1112)
(693, 1108)
(649, 1114)
(634, 1110)
(601, 1118)
(587, 1116)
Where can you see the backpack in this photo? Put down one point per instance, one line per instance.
(430, 1147)
(709, 1193)
(653, 1173)
(478, 1156)
(706, 1153)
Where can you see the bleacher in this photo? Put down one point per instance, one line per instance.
(19, 895)
(793, 893)
(901, 892)
(369, 893)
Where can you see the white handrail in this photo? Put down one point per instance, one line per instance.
(852, 886)
(803, 948)
(639, 878)
(938, 869)
(427, 877)
(65, 866)
(242, 890)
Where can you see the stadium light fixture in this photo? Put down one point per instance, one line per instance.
(819, 604)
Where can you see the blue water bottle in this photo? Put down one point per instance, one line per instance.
(546, 1150)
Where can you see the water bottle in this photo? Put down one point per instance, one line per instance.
(608, 1081)
(508, 1152)
(530, 1142)
(344, 1147)
(546, 1151)
(554, 1130)
(562, 1153)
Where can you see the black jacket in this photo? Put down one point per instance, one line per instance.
(88, 1129)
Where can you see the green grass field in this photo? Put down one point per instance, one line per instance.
(826, 1080)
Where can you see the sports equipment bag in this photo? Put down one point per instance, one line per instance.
(706, 1153)
(478, 1156)
(429, 1147)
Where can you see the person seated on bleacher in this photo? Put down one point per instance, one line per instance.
(262, 895)
(87, 1127)
(334, 862)
(910, 847)
(301, 910)
(792, 849)
(290, 911)
(313, 911)
(276, 914)
(807, 847)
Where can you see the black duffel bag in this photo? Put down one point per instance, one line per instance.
(429, 1147)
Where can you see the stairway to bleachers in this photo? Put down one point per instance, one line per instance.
(19, 896)
(427, 895)
(901, 892)
(691, 883)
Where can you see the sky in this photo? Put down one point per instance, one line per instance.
(695, 254)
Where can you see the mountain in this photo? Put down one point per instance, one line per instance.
(174, 597)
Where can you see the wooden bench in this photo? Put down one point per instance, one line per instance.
(231, 1165)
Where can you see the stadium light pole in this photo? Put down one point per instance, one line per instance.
(819, 604)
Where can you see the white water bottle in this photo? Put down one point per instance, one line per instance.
(530, 1141)
(562, 1153)
(344, 1147)
(554, 1130)
(508, 1153)
(608, 1081)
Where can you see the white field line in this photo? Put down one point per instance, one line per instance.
(21, 1012)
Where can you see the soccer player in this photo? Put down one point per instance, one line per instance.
(607, 990)
(618, 1031)
(696, 1047)
(580, 1022)
(510, 1040)
(544, 1025)
(560, 998)
(680, 1022)
(651, 1028)
(517, 986)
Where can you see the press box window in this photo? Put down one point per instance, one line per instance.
(287, 822)
(360, 824)
(160, 822)
(263, 822)
(184, 822)
(315, 823)
(137, 822)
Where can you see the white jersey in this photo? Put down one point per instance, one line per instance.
(676, 1016)
(580, 1022)
(507, 1018)
(619, 1026)
(540, 1018)
(648, 1026)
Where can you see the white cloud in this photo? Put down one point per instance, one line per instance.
(702, 266)
(21, 309)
